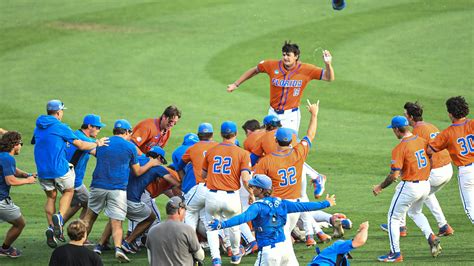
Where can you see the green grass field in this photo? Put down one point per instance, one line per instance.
(131, 59)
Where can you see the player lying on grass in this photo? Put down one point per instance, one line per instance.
(337, 221)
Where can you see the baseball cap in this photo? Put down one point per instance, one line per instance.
(190, 139)
(284, 134)
(175, 203)
(161, 153)
(55, 105)
(261, 181)
(228, 127)
(93, 120)
(122, 123)
(205, 128)
(271, 120)
(398, 121)
(338, 4)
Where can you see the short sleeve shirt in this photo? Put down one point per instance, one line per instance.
(410, 157)
(7, 168)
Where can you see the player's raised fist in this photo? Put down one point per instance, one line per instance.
(327, 57)
(231, 87)
(313, 108)
(376, 190)
(331, 199)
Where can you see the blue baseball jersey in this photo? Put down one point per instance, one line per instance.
(50, 138)
(268, 216)
(7, 167)
(113, 164)
(328, 256)
(189, 179)
(178, 153)
(78, 158)
(137, 184)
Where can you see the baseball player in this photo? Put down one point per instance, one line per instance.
(110, 179)
(285, 166)
(253, 131)
(338, 221)
(155, 131)
(458, 139)
(288, 79)
(411, 163)
(223, 167)
(338, 253)
(268, 216)
(89, 130)
(10, 145)
(441, 171)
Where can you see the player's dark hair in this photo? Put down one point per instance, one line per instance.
(457, 107)
(251, 125)
(205, 136)
(414, 110)
(404, 129)
(84, 126)
(284, 143)
(155, 155)
(76, 230)
(119, 131)
(228, 135)
(9, 140)
(289, 47)
(172, 111)
(272, 126)
(267, 192)
(52, 112)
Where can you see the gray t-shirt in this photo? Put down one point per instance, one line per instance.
(172, 243)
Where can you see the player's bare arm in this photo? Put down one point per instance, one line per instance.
(313, 122)
(361, 236)
(85, 145)
(329, 71)
(392, 177)
(11, 180)
(138, 171)
(247, 75)
(245, 176)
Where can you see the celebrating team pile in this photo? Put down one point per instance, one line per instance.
(238, 200)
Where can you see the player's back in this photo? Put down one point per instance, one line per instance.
(196, 154)
(410, 157)
(428, 132)
(251, 141)
(458, 139)
(266, 144)
(224, 164)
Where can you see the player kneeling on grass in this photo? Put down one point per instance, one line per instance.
(338, 253)
(268, 216)
(10, 145)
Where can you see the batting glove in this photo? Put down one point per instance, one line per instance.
(215, 224)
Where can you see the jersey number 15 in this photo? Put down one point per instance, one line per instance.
(421, 159)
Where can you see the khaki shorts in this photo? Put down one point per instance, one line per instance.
(61, 183)
(81, 196)
(9, 211)
(137, 211)
(113, 202)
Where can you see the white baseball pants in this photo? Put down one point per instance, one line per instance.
(466, 189)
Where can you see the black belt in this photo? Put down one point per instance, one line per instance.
(271, 246)
(283, 111)
(7, 200)
(215, 190)
(413, 181)
(468, 164)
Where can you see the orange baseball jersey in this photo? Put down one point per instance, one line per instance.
(287, 86)
(285, 169)
(224, 164)
(266, 144)
(458, 139)
(410, 158)
(251, 140)
(195, 154)
(147, 134)
(160, 185)
(429, 132)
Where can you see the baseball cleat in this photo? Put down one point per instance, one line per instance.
(319, 184)
(235, 259)
(58, 226)
(391, 257)
(98, 249)
(323, 238)
(10, 252)
(127, 247)
(445, 230)
(50, 239)
(403, 229)
(310, 241)
(346, 223)
(298, 235)
(435, 245)
(120, 255)
(252, 247)
(216, 262)
(338, 230)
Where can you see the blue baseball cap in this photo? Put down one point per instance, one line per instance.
(271, 120)
(190, 139)
(228, 127)
(205, 128)
(398, 121)
(261, 181)
(122, 123)
(338, 4)
(93, 120)
(284, 134)
(55, 105)
(158, 150)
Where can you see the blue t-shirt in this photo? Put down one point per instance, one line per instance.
(113, 164)
(50, 138)
(137, 184)
(189, 179)
(328, 256)
(78, 158)
(7, 167)
(178, 153)
(259, 214)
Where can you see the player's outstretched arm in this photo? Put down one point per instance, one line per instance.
(329, 71)
(247, 75)
(313, 108)
(361, 237)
